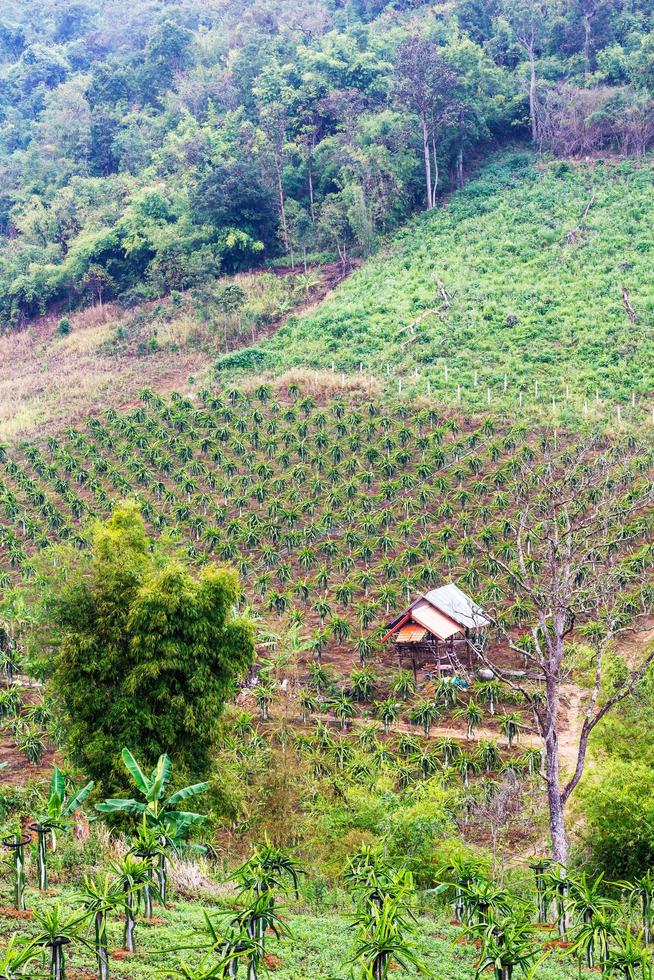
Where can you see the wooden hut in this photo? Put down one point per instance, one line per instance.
(440, 630)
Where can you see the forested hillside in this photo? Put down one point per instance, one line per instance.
(146, 147)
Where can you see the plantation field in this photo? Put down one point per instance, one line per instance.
(336, 515)
(341, 511)
(516, 281)
(319, 949)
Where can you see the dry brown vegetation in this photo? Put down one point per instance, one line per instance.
(49, 381)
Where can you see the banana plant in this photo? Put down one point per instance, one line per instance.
(159, 811)
(58, 814)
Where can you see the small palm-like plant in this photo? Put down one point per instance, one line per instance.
(383, 940)
(264, 694)
(132, 876)
(629, 958)
(446, 692)
(388, 711)
(268, 870)
(592, 940)
(641, 892)
(488, 755)
(343, 709)
(15, 844)
(473, 716)
(510, 725)
(99, 896)
(363, 683)
(507, 943)
(18, 952)
(484, 898)
(318, 675)
(404, 685)
(55, 932)
(58, 814)
(424, 713)
(307, 702)
(489, 692)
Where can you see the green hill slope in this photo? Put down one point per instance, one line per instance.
(531, 259)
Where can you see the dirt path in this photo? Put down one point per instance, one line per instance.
(631, 647)
(572, 696)
(527, 739)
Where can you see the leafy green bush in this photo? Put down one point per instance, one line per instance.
(248, 359)
(618, 807)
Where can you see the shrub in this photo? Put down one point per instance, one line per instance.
(64, 327)
(618, 807)
(248, 359)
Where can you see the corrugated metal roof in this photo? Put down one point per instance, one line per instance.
(434, 620)
(458, 606)
(411, 634)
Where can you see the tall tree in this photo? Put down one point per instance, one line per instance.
(581, 558)
(529, 21)
(143, 652)
(425, 83)
(274, 98)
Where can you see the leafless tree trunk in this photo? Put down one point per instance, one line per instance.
(459, 163)
(533, 97)
(425, 149)
(312, 206)
(580, 560)
(436, 173)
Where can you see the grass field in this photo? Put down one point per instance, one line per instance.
(520, 274)
(319, 949)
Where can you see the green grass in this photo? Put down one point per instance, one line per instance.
(319, 949)
(527, 298)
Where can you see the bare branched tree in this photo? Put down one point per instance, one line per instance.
(577, 567)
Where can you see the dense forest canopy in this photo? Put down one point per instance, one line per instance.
(146, 147)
